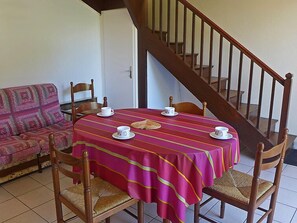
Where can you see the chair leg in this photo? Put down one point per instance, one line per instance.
(196, 212)
(250, 216)
(39, 163)
(59, 212)
(272, 207)
(107, 220)
(222, 212)
(166, 221)
(140, 212)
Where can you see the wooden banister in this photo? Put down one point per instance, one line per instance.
(233, 41)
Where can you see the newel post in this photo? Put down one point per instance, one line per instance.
(285, 106)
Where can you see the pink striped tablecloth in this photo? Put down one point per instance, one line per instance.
(169, 165)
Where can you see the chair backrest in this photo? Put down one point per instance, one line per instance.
(188, 107)
(271, 158)
(86, 108)
(80, 87)
(61, 163)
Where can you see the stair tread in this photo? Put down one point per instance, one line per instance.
(197, 66)
(243, 108)
(233, 93)
(263, 124)
(187, 54)
(173, 43)
(214, 80)
(274, 137)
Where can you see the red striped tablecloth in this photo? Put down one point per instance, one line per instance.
(169, 165)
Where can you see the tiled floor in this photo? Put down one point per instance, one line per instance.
(30, 199)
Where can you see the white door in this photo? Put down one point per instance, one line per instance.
(119, 58)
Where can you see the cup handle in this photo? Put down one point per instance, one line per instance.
(112, 111)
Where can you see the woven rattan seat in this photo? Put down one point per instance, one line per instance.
(237, 185)
(248, 192)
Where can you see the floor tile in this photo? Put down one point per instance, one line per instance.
(29, 216)
(287, 197)
(48, 211)
(288, 183)
(232, 214)
(44, 178)
(11, 208)
(294, 219)
(37, 197)
(242, 168)
(290, 171)
(155, 221)
(65, 182)
(279, 212)
(4, 195)
(247, 159)
(21, 185)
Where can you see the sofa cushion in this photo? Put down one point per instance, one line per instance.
(25, 108)
(15, 149)
(62, 132)
(50, 107)
(7, 124)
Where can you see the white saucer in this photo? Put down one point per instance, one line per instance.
(100, 114)
(116, 136)
(213, 135)
(165, 114)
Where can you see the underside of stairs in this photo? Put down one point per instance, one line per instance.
(189, 65)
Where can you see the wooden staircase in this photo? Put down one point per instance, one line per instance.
(254, 108)
(249, 110)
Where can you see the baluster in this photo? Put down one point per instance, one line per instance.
(168, 23)
(260, 99)
(220, 63)
(239, 80)
(185, 32)
(161, 20)
(285, 106)
(271, 108)
(229, 71)
(250, 89)
(201, 48)
(193, 41)
(210, 55)
(153, 16)
(176, 27)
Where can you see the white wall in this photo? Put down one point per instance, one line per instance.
(267, 28)
(54, 41)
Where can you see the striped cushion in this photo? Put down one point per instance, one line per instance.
(14, 149)
(50, 107)
(7, 124)
(25, 108)
(63, 136)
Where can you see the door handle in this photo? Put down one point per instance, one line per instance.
(130, 72)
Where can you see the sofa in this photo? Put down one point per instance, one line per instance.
(27, 115)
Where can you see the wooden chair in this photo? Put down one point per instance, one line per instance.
(82, 87)
(93, 200)
(188, 107)
(89, 107)
(249, 192)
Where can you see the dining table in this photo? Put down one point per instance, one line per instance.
(168, 165)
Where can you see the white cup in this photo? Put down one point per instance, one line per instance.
(123, 131)
(221, 131)
(106, 111)
(169, 110)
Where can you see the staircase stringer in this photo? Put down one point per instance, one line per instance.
(221, 108)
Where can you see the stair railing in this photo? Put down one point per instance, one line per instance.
(184, 29)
